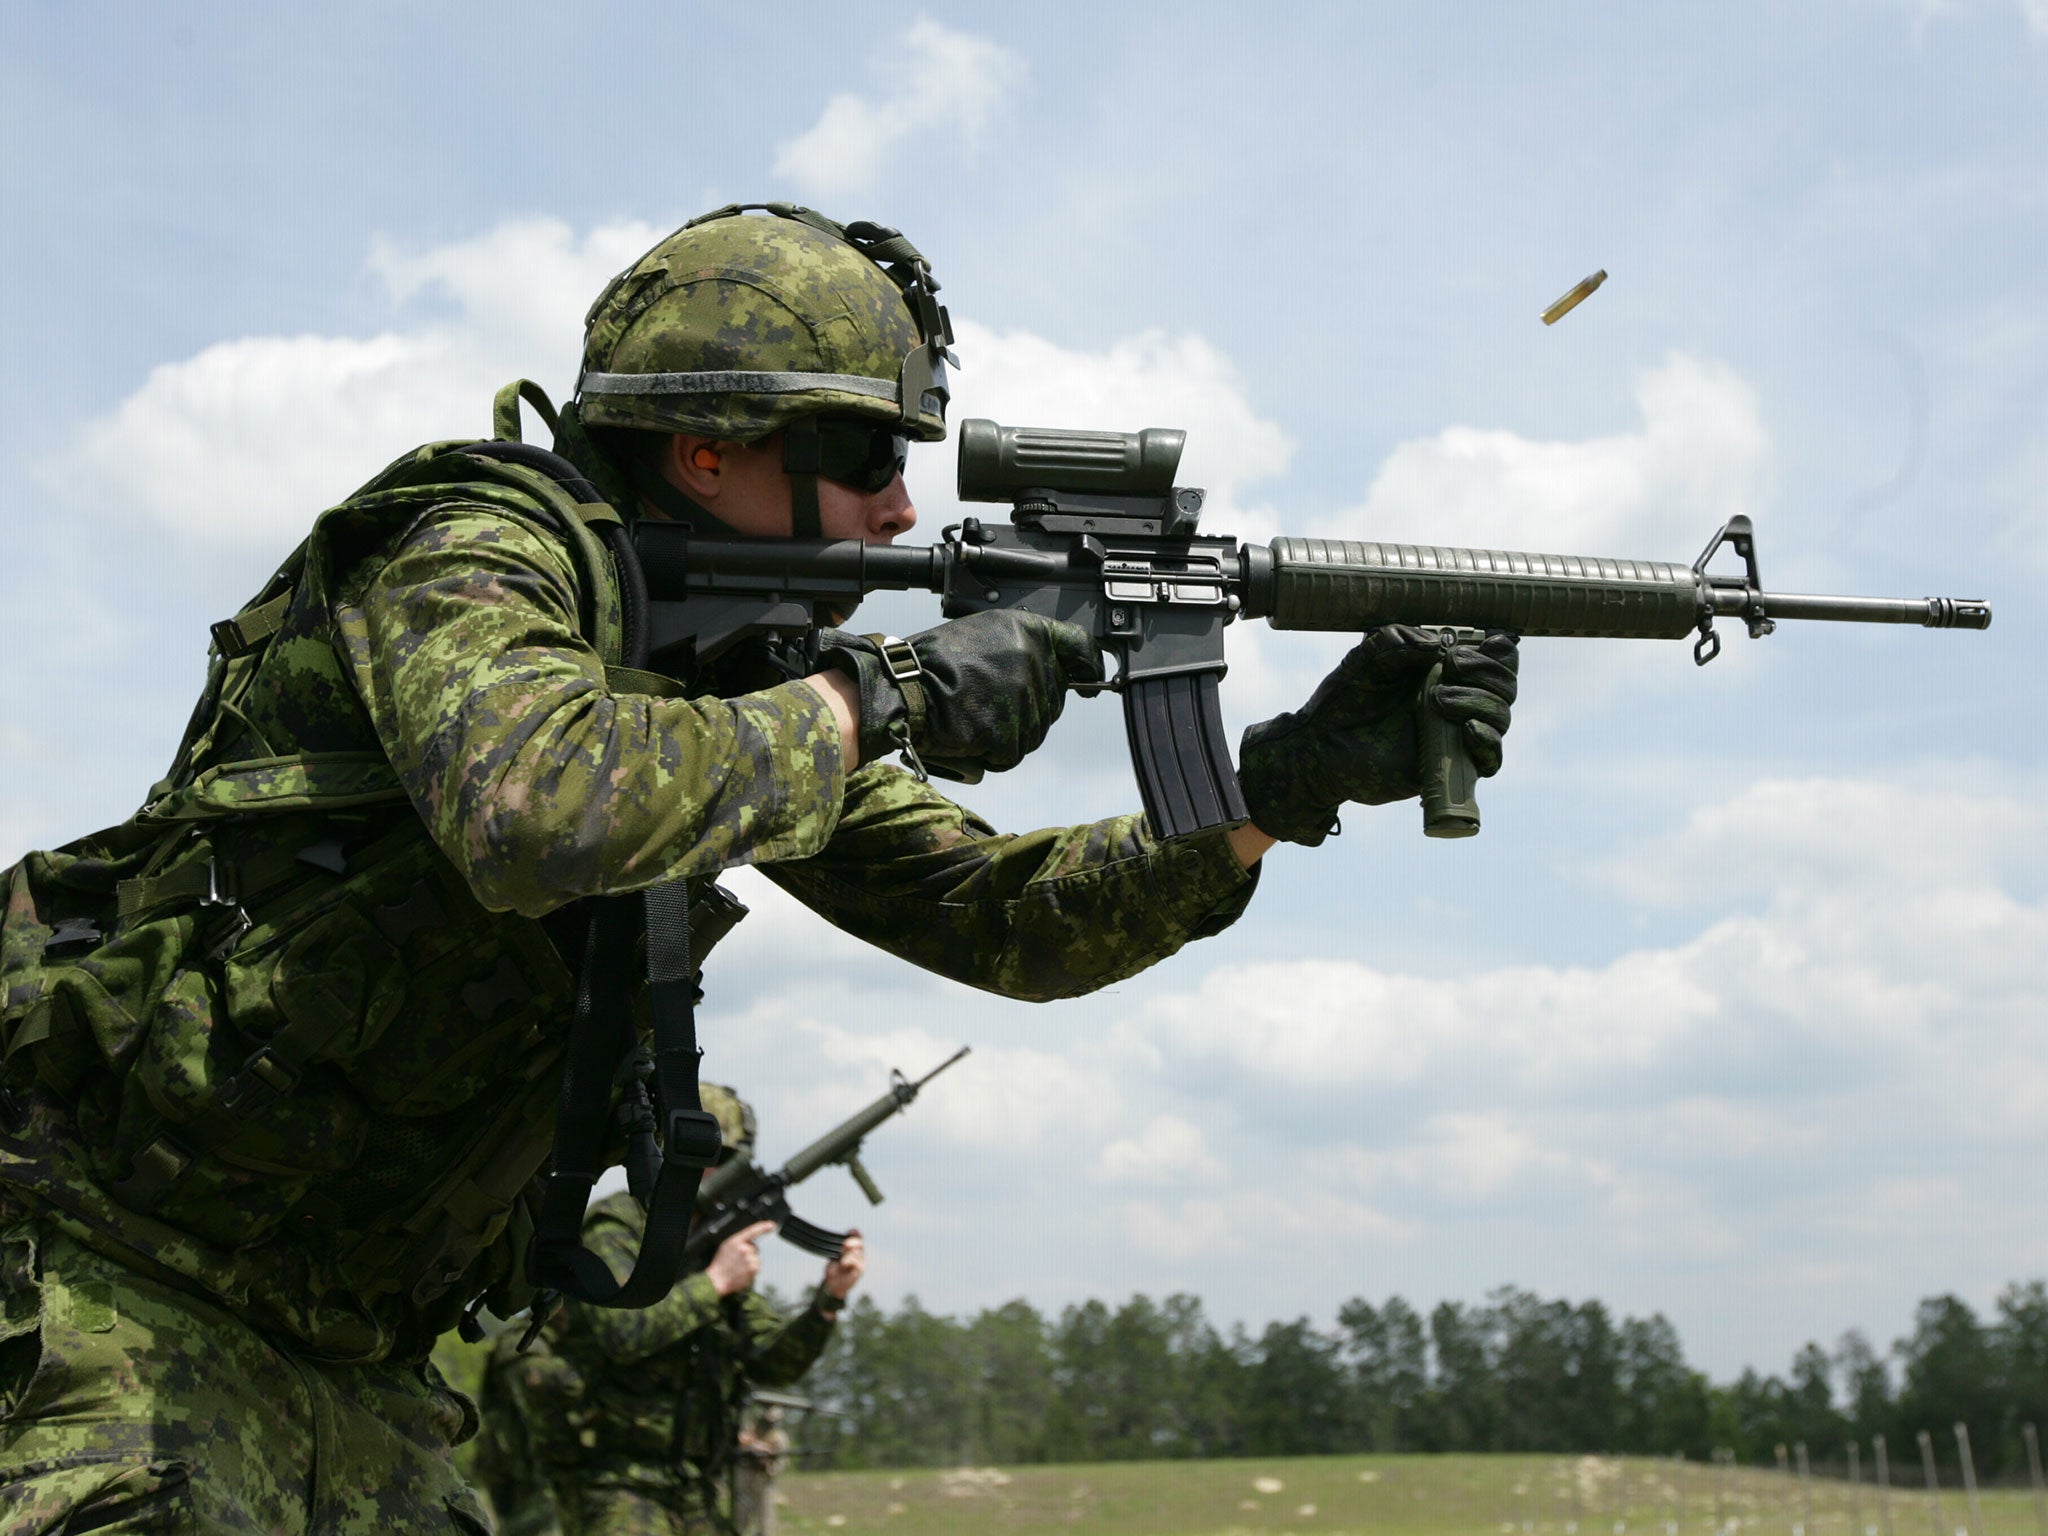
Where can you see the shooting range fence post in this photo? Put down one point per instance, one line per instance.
(1937, 1520)
(1624, 1500)
(1884, 1487)
(1572, 1471)
(1784, 1486)
(1805, 1490)
(1969, 1477)
(1856, 1525)
(2034, 1476)
(1722, 1457)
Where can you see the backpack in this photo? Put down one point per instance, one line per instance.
(200, 1070)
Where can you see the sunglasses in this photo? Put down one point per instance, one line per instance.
(861, 455)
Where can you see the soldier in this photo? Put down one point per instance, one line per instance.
(763, 1456)
(627, 1422)
(283, 1051)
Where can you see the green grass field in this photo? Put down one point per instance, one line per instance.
(1425, 1495)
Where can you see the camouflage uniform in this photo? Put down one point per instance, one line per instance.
(633, 1414)
(281, 1052)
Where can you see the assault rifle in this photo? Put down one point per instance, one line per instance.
(737, 1194)
(1100, 535)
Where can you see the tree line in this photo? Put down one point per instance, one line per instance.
(1156, 1379)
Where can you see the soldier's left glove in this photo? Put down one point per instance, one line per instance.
(978, 693)
(1356, 737)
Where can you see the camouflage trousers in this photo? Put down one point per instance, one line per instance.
(652, 1504)
(126, 1405)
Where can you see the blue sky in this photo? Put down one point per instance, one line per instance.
(1731, 1011)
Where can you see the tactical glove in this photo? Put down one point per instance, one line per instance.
(965, 697)
(1356, 737)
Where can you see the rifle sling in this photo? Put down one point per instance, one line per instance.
(600, 1036)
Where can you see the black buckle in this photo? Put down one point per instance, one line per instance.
(227, 638)
(264, 1079)
(693, 1140)
(70, 931)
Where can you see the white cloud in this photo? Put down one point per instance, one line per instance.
(245, 441)
(1329, 1025)
(1702, 454)
(1169, 1150)
(939, 86)
(1187, 1229)
(1832, 835)
(1872, 919)
(1466, 1157)
(2036, 14)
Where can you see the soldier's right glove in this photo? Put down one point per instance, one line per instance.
(1356, 737)
(964, 697)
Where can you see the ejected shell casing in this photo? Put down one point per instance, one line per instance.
(1574, 298)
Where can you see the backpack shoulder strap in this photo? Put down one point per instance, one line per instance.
(518, 476)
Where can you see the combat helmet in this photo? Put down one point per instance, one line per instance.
(735, 1117)
(736, 327)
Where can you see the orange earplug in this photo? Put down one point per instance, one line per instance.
(704, 458)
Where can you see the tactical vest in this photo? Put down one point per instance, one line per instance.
(261, 1039)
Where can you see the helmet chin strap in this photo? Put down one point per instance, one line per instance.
(802, 458)
(659, 492)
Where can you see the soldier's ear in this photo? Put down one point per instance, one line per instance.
(693, 465)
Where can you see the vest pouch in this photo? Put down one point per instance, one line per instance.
(241, 1108)
(501, 1000)
(21, 1313)
(77, 987)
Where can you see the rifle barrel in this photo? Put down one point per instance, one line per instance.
(935, 1071)
(679, 564)
(1928, 612)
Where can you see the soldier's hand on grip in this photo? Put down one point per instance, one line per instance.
(1355, 738)
(843, 1273)
(978, 693)
(738, 1261)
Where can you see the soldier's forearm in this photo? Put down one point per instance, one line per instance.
(842, 695)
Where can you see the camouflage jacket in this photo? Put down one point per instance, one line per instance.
(649, 1397)
(290, 1035)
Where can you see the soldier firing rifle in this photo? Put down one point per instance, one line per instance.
(1101, 537)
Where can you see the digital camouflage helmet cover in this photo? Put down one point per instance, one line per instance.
(734, 326)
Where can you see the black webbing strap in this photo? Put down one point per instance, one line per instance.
(802, 458)
(602, 1040)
